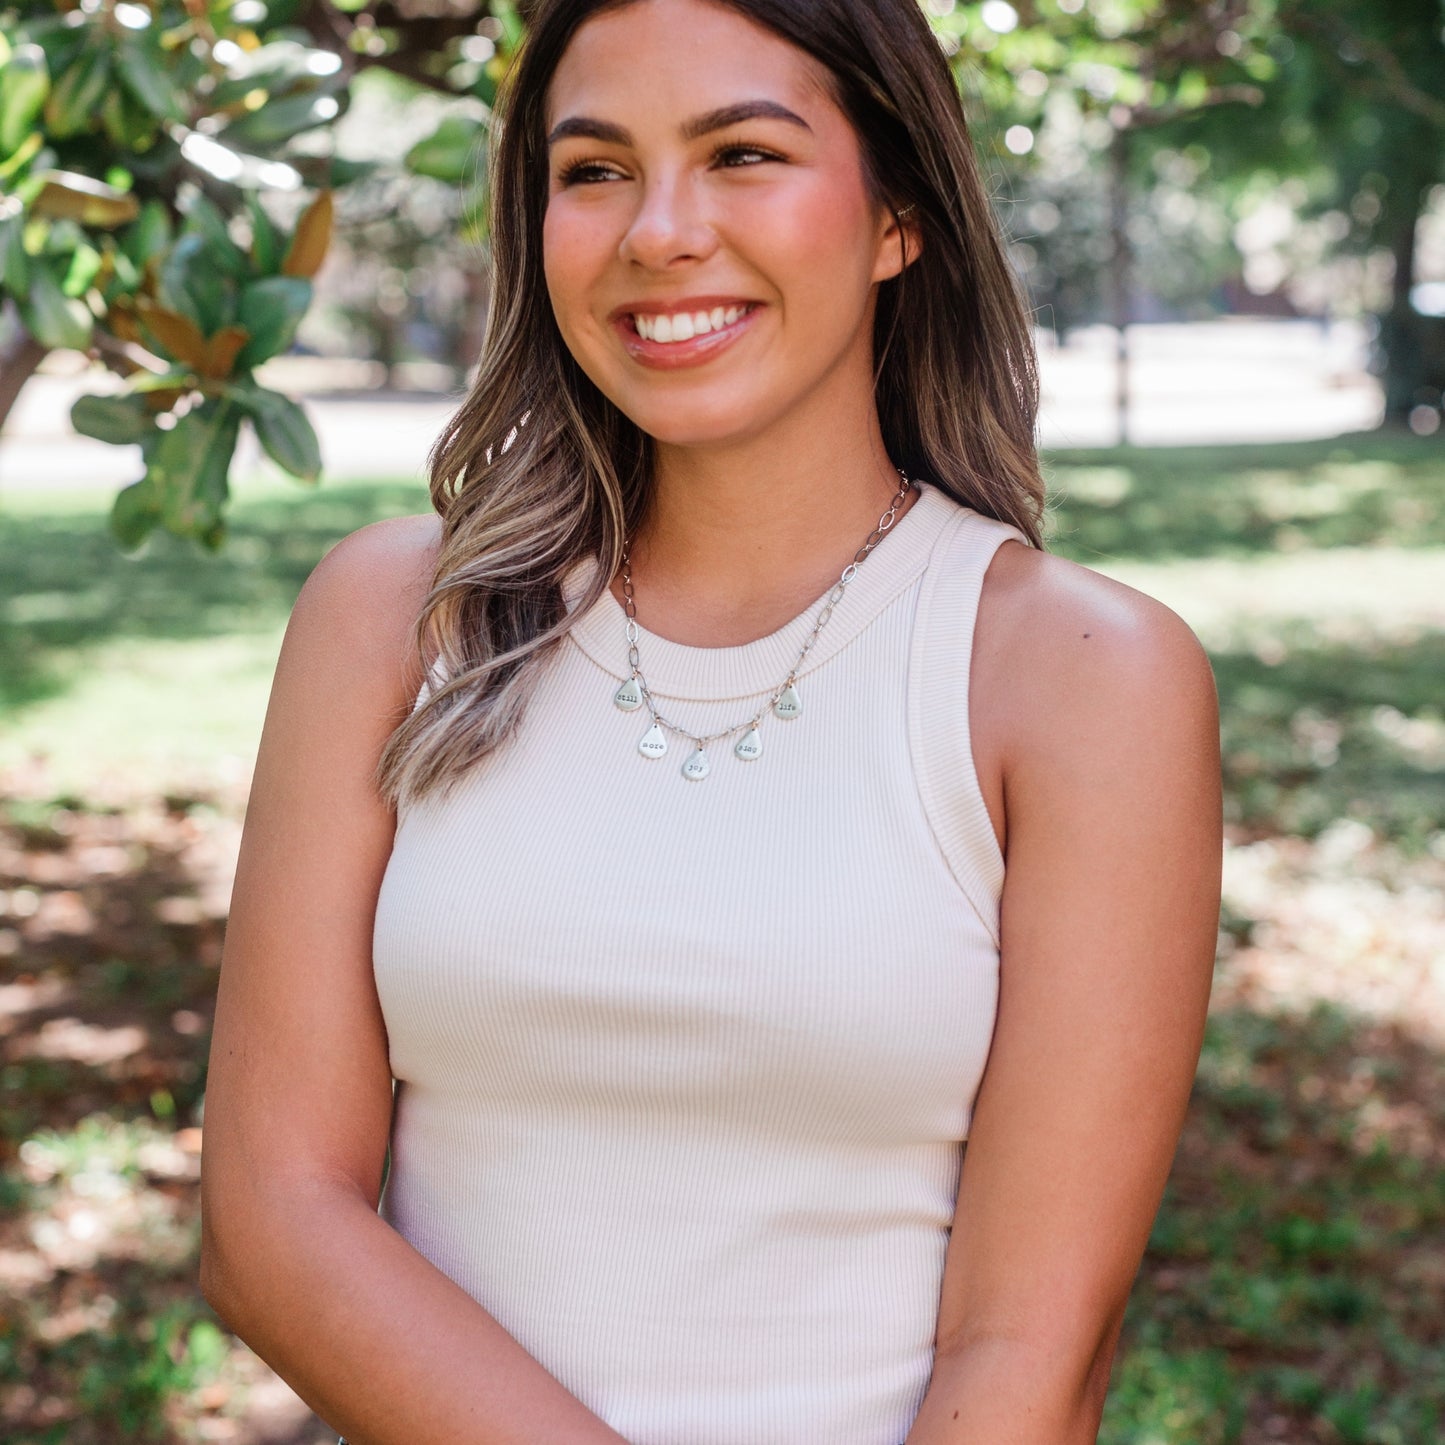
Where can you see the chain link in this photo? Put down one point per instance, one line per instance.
(824, 613)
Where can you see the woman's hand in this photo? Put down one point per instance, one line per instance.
(1095, 724)
(298, 1106)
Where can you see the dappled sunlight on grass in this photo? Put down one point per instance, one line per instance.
(1369, 490)
(1292, 1285)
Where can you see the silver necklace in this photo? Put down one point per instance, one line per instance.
(784, 701)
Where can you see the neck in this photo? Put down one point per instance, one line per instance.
(739, 539)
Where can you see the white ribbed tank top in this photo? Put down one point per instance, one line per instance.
(684, 1068)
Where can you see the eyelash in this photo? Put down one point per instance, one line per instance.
(588, 172)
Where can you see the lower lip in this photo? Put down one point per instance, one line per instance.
(672, 355)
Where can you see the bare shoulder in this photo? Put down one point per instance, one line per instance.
(360, 605)
(1064, 653)
(378, 568)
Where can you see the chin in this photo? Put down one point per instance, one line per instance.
(695, 421)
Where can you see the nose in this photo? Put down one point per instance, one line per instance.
(668, 226)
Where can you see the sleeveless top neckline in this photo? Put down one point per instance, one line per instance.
(753, 669)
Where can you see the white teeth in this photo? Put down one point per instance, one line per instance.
(682, 326)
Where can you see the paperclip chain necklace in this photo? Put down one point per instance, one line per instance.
(784, 701)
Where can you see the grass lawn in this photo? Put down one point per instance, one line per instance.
(1292, 1288)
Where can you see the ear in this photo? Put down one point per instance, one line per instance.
(900, 241)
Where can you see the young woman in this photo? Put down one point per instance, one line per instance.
(762, 814)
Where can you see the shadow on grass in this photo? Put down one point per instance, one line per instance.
(1314, 733)
(1290, 1291)
(64, 586)
(1292, 1284)
(1151, 504)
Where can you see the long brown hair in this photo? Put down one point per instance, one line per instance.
(538, 470)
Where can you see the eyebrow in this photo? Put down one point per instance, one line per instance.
(586, 128)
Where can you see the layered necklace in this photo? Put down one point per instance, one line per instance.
(784, 701)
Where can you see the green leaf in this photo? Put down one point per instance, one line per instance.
(265, 240)
(75, 98)
(84, 267)
(129, 125)
(24, 86)
(282, 429)
(279, 120)
(452, 152)
(14, 262)
(271, 310)
(119, 420)
(189, 465)
(52, 317)
(150, 235)
(194, 285)
(144, 75)
(135, 513)
(29, 148)
(204, 219)
(279, 68)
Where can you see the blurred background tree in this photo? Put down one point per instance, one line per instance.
(175, 171)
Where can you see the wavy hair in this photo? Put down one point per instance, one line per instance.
(538, 470)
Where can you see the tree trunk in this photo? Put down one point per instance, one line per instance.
(19, 357)
(1401, 333)
(1120, 275)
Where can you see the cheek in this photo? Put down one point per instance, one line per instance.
(574, 248)
(827, 234)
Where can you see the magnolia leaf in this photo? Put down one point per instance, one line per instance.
(192, 284)
(85, 264)
(53, 318)
(189, 465)
(14, 260)
(271, 309)
(75, 98)
(279, 120)
(119, 420)
(122, 321)
(222, 350)
(29, 147)
(283, 430)
(312, 237)
(150, 236)
(24, 86)
(135, 514)
(144, 76)
(68, 195)
(179, 336)
(205, 220)
(265, 242)
(451, 152)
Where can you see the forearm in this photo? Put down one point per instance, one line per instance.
(377, 1340)
(998, 1392)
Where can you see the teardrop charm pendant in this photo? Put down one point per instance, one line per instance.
(789, 704)
(749, 746)
(628, 696)
(653, 744)
(695, 769)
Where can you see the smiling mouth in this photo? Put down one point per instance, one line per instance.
(668, 328)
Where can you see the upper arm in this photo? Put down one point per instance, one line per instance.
(299, 1078)
(1098, 706)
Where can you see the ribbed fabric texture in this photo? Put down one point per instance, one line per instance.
(684, 1069)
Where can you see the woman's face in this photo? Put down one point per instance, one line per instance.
(711, 249)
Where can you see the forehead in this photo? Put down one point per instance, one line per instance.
(681, 57)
